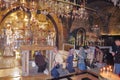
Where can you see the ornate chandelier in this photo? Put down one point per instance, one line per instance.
(64, 8)
(116, 2)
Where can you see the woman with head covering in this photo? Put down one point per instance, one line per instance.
(69, 61)
(40, 61)
(81, 59)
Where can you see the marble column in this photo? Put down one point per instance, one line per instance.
(25, 63)
(49, 55)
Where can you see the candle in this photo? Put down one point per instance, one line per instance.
(101, 70)
(23, 1)
(75, 1)
(111, 70)
(108, 69)
(33, 3)
(104, 69)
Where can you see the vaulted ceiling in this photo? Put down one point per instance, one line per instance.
(104, 14)
(108, 16)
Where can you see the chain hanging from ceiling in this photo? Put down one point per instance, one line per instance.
(116, 2)
(64, 8)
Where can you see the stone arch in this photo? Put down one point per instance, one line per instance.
(25, 9)
(54, 19)
(80, 36)
(59, 29)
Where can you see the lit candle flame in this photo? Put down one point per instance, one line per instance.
(108, 69)
(101, 70)
(111, 70)
(104, 69)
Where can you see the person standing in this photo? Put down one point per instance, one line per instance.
(8, 51)
(116, 55)
(90, 56)
(99, 54)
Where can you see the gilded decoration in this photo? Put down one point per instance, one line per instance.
(19, 29)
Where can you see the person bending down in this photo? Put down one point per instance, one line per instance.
(40, 62)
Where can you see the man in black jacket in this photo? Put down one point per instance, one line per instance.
(116, 54)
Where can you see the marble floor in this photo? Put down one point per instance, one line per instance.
(10, 69)
(35, 77)
(15, 74)
(10, 72)
(9, 62)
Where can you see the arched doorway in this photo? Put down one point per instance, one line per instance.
(27, 27)
(80, 35)
(20, 26)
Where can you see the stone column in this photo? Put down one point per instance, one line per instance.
(25, 63)
(49, 54)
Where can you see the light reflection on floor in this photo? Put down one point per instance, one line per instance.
(9, 62)
(13, 72)
(10, 66)
(10, 69)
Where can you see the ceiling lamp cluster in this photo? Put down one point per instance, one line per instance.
(64, 8)
(116, 2)
(7, 3)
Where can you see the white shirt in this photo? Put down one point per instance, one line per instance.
(59, 58)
